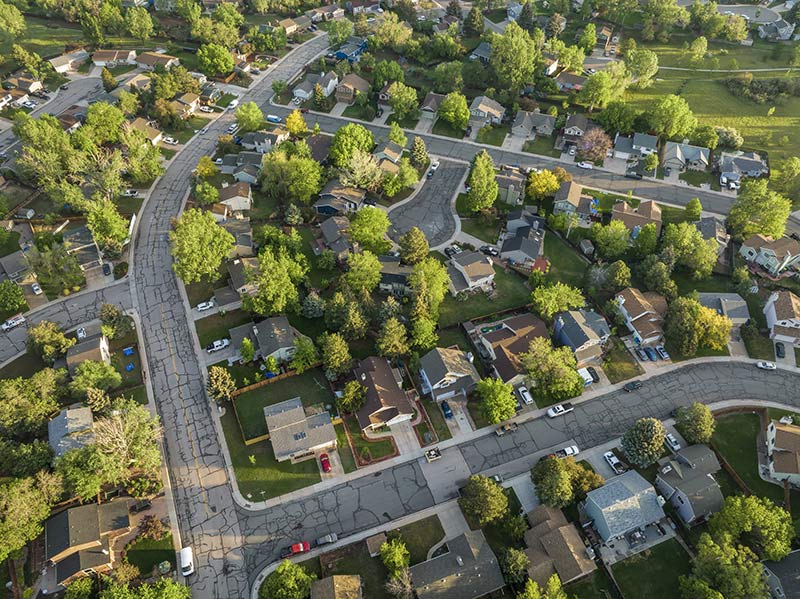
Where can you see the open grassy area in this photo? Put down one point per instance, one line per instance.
(653, 573)
(759, 345)
(700, 179)
(357, 112)
(420, 536)
(355, 559)
(497, 15)
(187, 131)
(25, 366)
(566, 266)
(130, 379)
(409, 122)
(42, 36)
(264, 207)
(146, 554)
(493, 135)
(258, 474)
(11, 244)
(618, 363)
(485, 228)
(345, 455)
(511, 292)
(541, 145)
(367, 450)
(311, 387)
(596, 586)
(216, 326)
(441, 127)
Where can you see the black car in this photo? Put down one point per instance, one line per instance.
(593, 373)
(489, 250)
(370, 202)
(780, 351)
(65, 86)
(140, 506)
(633, 175)
(632, 386)
(106, 269)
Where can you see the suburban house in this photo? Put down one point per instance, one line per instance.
(210, 93)
(625, 503)
(570, 82)
(327, 81)
(783, 451)
(246, 173)
(511, 186)
(110, 58)
(554, 546)
(69, 62)
(734, 166)
(623, 147)
(237, 196)
(777, 31)
(338, 586)
(430, 105)
(356, 7)
(242, 233)
(773, 255)
(644, 143)
(387, 403)
(320, 146)
(444, 24)
(14, 266)
(264, 141)
(576, 127)
(77, 541)
(18, 96)
(152, 134)
(94, 349)
(570, 199)
(383, 95)
(73, 428)
(289, 26)
(26, 84)
(684, 156)
(447, 372)
(468, 570)
(469, 272)
(643, 314)
(482, 52)
(782, 576)
(686, 480)
(349, 87)
(585, 332)
(504, 342)
(325, 13)
(150, 60)
(530, 124)
(351, 50)
(296, 435)
(336, 198)
(782, 311)
(513, 11)
(334, 235)
(394, 276)
(523, 218)
(390, 151)
(486, 111)
(713, 227)
(186, 105)
(525, 245)
(242, 273)
(730, 305)
(5, 100)
(635, 218)
(273, 337)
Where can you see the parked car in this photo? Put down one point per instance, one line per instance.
(379, 112)
(370, 202)
(13, 322)
(616, 465)
(490, 250)
(140, 506)
(234, 103)
(641, 354)
(130, 193)
(325, 462)
(36, 289)
(63, 87)
(29, 104)
(585, 165)
(780, 350)
(433, 169)
(203, 306)
(634, 175)
(509, 427)
(571, 450)
(632, 386)
(651, 354)
(448, 413)
(671, 442)
(206, 109)
(525, 395)
(296, 101)
(106, 269)
(662, 352)
(232, 128)
(295, 549)
(217, 345)
(81, 334)
(304, 111)
(452, 250)
(273, 119)
(498, 479)
(560, 410)
(668, 171)
(171, 141)
(203, 131)
(766, 365)
(572, 150)
(593, 373)
(186, 556)
(327, 539)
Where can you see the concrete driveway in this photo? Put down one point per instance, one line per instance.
(514, 143)
(338, 109)
(430, 209)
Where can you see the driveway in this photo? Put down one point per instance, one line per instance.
(430, 209)
(514, 143)
(425, 125)
(338, 109)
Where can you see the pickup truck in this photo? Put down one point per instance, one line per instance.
(507, 428)
(616, 465)
(295, 549)
(566, 452)
(560, 410)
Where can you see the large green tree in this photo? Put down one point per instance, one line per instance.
(483, 500)
(690, 326)
(214, 59)
(287, 581)
(335, 355)
(611, 240)
(482, 182)
(96, 375)
(24, 506)
(368, 227)
(48, 341)
(497, 400)
(757, 209)
(513, 57)
(453, 109)
(346, 140)
(199, 245)
(689, 249)
(403, 100)
(731, 571)
(249, 117)
(413, 246)
(552, 370)
(670, 116)
(138, 23)
(765, 527)
(279, 273)
(548, 300)
(696, 423)
(644, 441)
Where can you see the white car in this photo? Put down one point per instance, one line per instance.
(218, 161)
(233, 104)
(130, 193)
(296, 101)
(217, 345)
(560, 410)
(614, 462)
(766, 365)
(171, 141)
(566, 452)
(421, 18)
(672, 442)
(232, 128)
(206, 109)
(203, 130)
(36, 289)
(587, 165)
(29, 104)
(81, 333)
(572, 150)
(203, 306)
(13, 322)
(186, 556)
(525, 395)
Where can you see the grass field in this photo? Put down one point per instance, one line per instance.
(653, 574)
(146, 554)
(596, 586)
(420, 536)
(511, 292)
(11, 244)
(618, 363)
(484, 228)
(216, 326)
(566, 266)
(407, 123)
(441, 127)
(366, 449)
(43, 37)
(345, 455)
(541, 145)
(493, 135)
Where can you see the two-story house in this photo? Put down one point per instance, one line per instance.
(350, 87)
(394, 276)
(469, 272)
(336, 198)
(485, 111)
(575, 128)
(782, 311)
(482, 52)
(447, 372)
(511, 186)
(783, 452)
(585, 332)
(238, 197)
(243, 273)
(570, 199)
(386, 403)
(643, 314)
(635, 218)
(530, 124)
(684, 156)
(686, 480)
(335, 238)
(644, 143)
(503, 343)
(735, 166)
(351, 50)
(775, 256)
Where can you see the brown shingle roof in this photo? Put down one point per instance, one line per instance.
(647, 212)
(787, 448)
(787, 306)
(512, 340)
(385, 398)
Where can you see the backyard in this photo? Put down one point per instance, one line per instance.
(596, 586)
(355, 559)
(484, 227)
(653, 573)
(566, 266)
(511, 291)
(146, 553)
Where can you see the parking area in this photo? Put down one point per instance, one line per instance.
(784, 354)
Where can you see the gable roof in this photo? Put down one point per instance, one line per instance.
(645, 140)
(385, 398)
(291, 431)
(637, 303)
(783, 247)
(353, 81)
(624, 503)
(474, 264)
(71, 429)
(86, 350)
(691, 471)
(580, 326)
(483, 50)
(153, 59)
(785, 575)
(440, 361)
(730, 305)
(337, 587)
(635, 218)
(513, 339)
(686, 153)
(432, 101)
(787, 305)
(487, 105)
(235, 190)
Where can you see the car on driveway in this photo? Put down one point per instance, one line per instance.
(585, 165)
(217, 345)
(641, 354)
(130, 193)
(295, 549)
(232, 128)
(671, 442)
(525, 395)
(203, 306)
(766, 365)
(572, 150)
(206, 109)
(448, 413)
(593, 373)
(662, 352)
(560, 410)
(570, 451)
(325, 462)
(651, 354)
(490, 250)
(452, 251)
(613, 461)
(29, 104)
(632, 386)
(106, 269)
(780, 350)
(36, 289)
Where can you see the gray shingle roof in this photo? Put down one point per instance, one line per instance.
(624, 503)
(71, 429)
(291, 431)
(441, 363)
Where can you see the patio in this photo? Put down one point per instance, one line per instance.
(636, 541)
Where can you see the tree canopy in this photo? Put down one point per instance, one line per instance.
(199, 245)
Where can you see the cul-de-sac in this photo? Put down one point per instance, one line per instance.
(399, 299)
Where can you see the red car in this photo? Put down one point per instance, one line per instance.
(295, 549)
(325, 462)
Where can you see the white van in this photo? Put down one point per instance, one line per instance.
(186, 558)
(13, 322)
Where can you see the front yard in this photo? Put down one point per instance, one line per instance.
(493, 135)
(486, 228)
(541, 145)
(216, 326)
(419, 537)
(441, 127)
(653, 573)
(510, 291)
(367, 450)
(618, 363)
(146, 554)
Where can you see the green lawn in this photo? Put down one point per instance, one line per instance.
(367, 450)
(542, 145)
(264, 207)
(511, 292)
(216, 326)
(441, 127)
(355, 559)
(759, 345)
(42, 36)
(485, 228)
(618, 363)
(132, 379)
(566, 265)
(596, 586)
(311, 387)
(606, 200)
(437, 419)
(497, 15)
(493, 135)
(700, 178)
(358, 112)
(146, 554)
(11, 244)
(653, 574)
(495, 535)
(317, 277)
(408, 122)
(264, 477)
(243, 374)
(420, 536)
(345, 455)
(187, 129)
(25, 366)
(225, 99)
